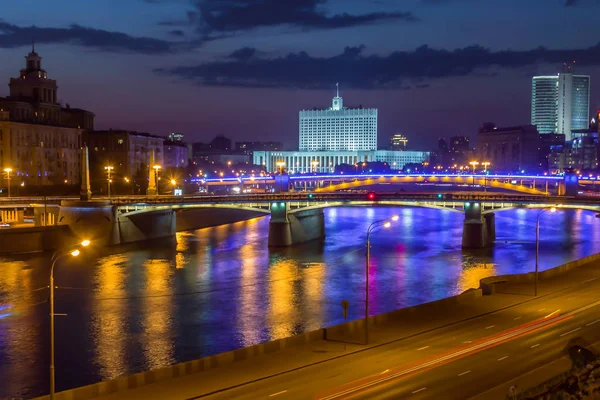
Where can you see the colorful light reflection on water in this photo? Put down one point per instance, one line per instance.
(221, 288)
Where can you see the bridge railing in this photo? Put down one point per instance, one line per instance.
(343, 196)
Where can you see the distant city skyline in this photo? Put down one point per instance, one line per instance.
(205, 68)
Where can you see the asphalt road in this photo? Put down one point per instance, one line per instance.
(456, 362)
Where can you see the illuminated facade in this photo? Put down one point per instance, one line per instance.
(326, 161)
(544, 103)
(338, 128)
(561, 103)
(40, 140)
(573, 103)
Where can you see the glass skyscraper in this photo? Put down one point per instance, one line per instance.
(561, 103)
(544, 103)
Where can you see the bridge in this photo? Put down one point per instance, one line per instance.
(295, 217)
(530, 184)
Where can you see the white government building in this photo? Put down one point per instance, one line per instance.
(337, 135)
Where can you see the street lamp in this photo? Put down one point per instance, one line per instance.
(314, 164)
(537, 242)
(474, 164)
(8, 171)
(109, 169)
(386, 223)
(58, 254)
(280, 165)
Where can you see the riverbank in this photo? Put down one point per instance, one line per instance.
(240, 367)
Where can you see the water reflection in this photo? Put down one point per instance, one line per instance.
(221, 288)
(109, 316)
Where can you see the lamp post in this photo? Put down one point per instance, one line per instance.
(474, 164)
(314, 164)
(386, 223)
(280, 165)
(485, 165)
(537, 243)
(109, 169)
(55, 257)
(8, 171)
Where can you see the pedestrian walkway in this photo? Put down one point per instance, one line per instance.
(279, 362)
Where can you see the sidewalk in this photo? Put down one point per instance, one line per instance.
(285, 360)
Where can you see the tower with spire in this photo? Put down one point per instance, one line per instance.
(337, 103)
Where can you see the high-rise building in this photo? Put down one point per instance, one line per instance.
(398, 142)
(561, 103)
(544, 103)
(573, 103)
(338, 128)
(39, 139)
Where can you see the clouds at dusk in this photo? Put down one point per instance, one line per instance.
(246, 68)
(98, 39)
(240, 15)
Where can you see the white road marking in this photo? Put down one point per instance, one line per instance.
(592, 323)
(503, 358)
(420, 390)
(535, 345)
(385, 372)
(467, 341)
(542, 309)
(278, 393)
(490, 327)
(589, 280)
(423, 348)
(552, 313)
(463, 373)
(518, 318)
(574, 330)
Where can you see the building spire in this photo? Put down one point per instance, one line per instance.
(32, 45)
(337, 87)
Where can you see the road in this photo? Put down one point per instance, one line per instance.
(456, 362)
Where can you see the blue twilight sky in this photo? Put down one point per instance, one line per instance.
(244, 68)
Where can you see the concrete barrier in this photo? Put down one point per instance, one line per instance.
(488, 285)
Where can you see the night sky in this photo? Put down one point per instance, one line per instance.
(244, 68)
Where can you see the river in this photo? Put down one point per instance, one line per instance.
(217, 289)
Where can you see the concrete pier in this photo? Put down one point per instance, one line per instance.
(479, 230)
(288, 228)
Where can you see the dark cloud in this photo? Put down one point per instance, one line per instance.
(243, 54)
(355, 69)
(570, 3)
(177, 32)
(191, 18)
(14, 36)
(218, 16)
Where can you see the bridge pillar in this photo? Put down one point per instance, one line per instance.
(282, 183)
(570, 185)
(292, 227)
(490, 225)
(475, 232)
(280, 231)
